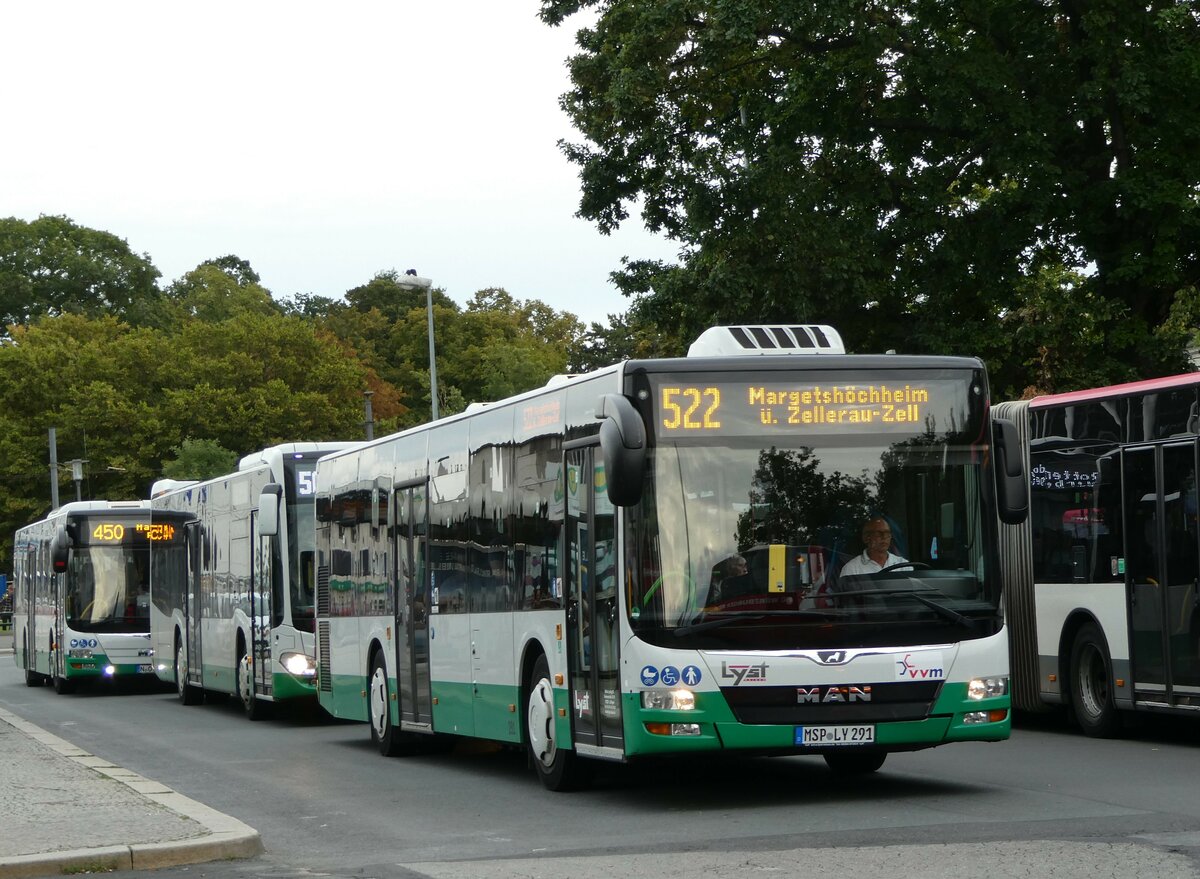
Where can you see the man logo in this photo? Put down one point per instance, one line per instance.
(836, 694)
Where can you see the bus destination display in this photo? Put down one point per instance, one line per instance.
(754, 407)
(98, 532)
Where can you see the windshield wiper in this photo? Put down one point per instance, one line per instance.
(947, 612)
(721, 622)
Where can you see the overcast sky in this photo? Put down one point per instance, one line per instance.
(321, 142)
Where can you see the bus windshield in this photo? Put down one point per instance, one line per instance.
(301, 539)
(108, 589)
(757, 541)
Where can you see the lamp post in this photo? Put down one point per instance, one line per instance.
(77, 475)
(413, 281)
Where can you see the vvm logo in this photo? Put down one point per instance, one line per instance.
(920, 667)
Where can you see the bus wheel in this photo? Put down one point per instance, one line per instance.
(1091, 685)
(558, 769)
(188, 695)
(855, 762)
(32, 678)
(255, 708)
(63, 686)
(383, 732)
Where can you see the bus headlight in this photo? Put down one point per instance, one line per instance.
(77, 653)
(299, 665)
(985, 688)
(671, 700)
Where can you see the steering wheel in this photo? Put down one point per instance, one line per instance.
(902, 565)
(657, 583)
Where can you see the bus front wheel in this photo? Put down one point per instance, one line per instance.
(188, 695)
(855, 762)
(383, 732)
(1091, 684)
(255, 708)
(559, 769)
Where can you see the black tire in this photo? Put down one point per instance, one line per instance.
(254, 708)
(32, 678)
(185, 692)
(559, 769)
(384, 734)
(854, 762)
(1091, 684)
(63, 686)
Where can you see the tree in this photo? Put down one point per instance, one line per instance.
(925, 176)
(52, 266)
(219, 289)
(199, 459)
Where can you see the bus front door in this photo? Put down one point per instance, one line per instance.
(191, 601)
(593, 606)
(412, 608)
(261, 611)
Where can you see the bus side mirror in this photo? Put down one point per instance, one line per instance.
(1012, 486)
(268, 510)
(59, 550)
(623, 444)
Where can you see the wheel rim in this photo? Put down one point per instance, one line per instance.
(1093, 682)
(379, 703)
(181, 669)
(244, 671)
(541, 722)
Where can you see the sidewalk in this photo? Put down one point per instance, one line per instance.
(65, 810)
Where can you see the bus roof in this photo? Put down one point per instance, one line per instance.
(1126, 389)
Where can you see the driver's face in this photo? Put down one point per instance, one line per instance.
(877, 535)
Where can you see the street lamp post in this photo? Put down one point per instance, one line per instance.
(413, 281)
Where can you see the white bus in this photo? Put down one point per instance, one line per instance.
(232, 612)
(553, 570)
(81, 592)
(1102, 596)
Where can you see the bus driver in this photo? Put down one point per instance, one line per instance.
(876, 554)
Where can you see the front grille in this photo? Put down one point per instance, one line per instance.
(889, 701)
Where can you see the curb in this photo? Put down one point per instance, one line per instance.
(225, 838)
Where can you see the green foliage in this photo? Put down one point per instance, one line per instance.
(199, 459)
(52, 266)
(220, 289)
(914, 172)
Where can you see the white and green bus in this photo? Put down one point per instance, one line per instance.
(1103, 600)
(557, 570)
(81, 592)
(231, 607)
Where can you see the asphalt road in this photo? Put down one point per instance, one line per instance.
(1049, 802)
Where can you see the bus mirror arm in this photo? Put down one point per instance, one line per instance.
(268, 510)
(623, 443)
(1012, 486)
